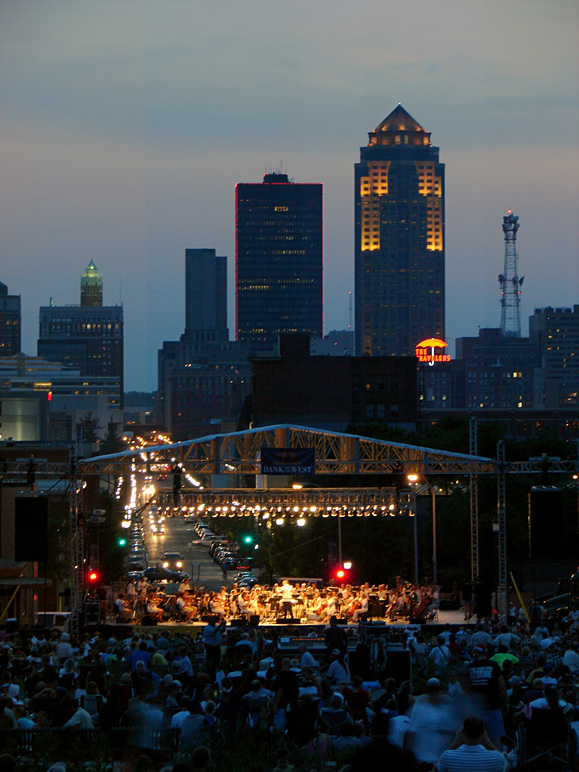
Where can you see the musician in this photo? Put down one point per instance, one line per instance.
(243, 604)
(383, 592)
(184, 586)
(286, 599)
(331, 605)
(131, 592)
(363, 606)
(154, 611)
(122, 609)
(184, 612)
(216, 606)
(142, 588)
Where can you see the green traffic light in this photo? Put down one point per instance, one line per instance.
(122, 542)
(248, 539)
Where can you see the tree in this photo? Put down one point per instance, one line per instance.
(113, 442)
(88, 428)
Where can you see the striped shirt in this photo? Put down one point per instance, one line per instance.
(472, 758)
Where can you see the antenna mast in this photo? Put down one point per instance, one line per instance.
(509, 281)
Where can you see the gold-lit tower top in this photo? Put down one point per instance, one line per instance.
(399, 128)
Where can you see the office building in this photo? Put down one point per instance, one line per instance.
(10, 322)
(337, 343)
(41, 400)
(278, 261)
(498, 371)
(399, 239)
(206, 292)
(89, 338)
(203, 378)
(329, 392)
(556, 332)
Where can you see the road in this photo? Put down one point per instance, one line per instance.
(196, 560)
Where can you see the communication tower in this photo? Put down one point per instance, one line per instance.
(509, 281)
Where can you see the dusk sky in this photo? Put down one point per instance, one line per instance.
(124, 127)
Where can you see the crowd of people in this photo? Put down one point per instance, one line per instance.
(304, 601)
(232, 689)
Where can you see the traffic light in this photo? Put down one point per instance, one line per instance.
(121, 541)
(248, 539)
(93, 577)
(342, 573)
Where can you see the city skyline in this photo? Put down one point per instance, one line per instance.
(125, 128)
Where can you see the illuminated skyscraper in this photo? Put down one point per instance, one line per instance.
(278, 260)
(91, 287)
(89, 336)
(399, 237)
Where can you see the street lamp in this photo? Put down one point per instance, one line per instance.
(413, 478)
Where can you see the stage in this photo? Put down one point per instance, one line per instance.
(280, 629)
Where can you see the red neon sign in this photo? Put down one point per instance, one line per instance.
(425, 351)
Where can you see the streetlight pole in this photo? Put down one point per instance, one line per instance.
(413, 478)
(340, 538)
(415, 527)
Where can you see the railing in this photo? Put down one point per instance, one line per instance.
(60, 744)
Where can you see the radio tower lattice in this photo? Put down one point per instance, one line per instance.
(509, 281)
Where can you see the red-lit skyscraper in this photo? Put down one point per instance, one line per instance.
(10, 322)
(278, 260)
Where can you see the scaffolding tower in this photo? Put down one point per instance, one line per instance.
(509, 281)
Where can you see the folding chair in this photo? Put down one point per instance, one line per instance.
(543, 740)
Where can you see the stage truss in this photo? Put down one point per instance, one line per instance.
(238, 453)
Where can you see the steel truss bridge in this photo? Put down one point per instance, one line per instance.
(238, 453)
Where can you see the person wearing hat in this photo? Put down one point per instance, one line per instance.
(338, 672)
(489, 693)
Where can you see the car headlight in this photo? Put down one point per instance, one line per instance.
(165, 565)
(179, 564)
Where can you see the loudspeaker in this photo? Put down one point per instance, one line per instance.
(236, 622)
(148, 621)
(254, 620)
(288, 621)
(91, 612)
(545, 519)
(30, 528)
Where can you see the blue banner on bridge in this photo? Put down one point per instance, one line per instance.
(288, 461)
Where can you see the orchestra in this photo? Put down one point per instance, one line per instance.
(304, 601)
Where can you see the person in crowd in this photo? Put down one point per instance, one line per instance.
(489, 692)
(338, 671)
(440, 655)
(432, 723)
(472, 750)
(212, 639)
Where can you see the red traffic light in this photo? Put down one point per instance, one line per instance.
(93, 577)
(340, 573)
